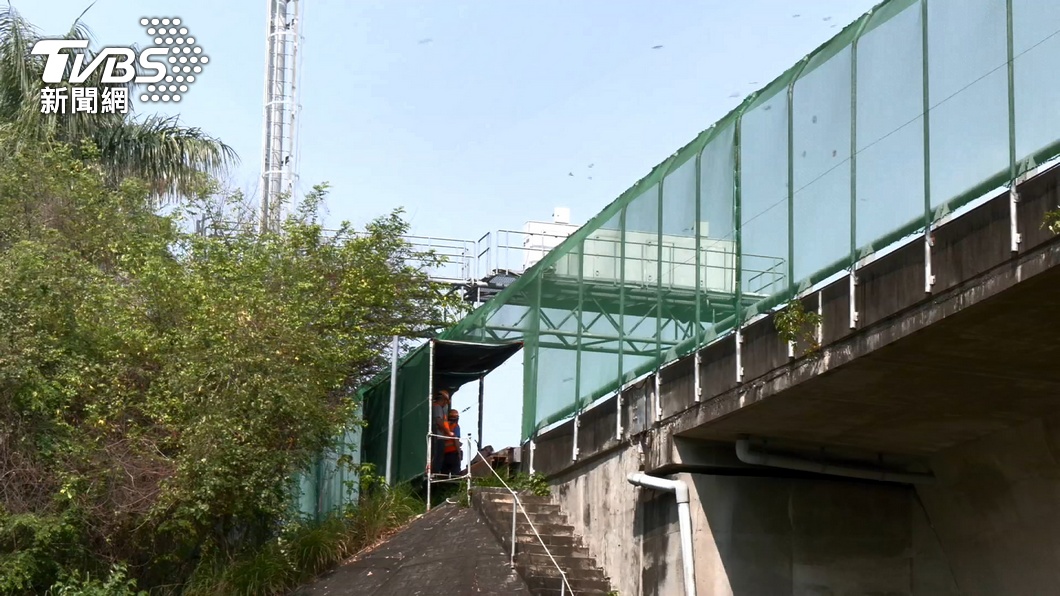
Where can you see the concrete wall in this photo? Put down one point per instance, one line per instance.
(756, 535)
(813, 537)
(997, 510)
(989, 527)
(601, 505)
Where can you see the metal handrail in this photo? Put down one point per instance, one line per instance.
(518, 504)
(430, 472)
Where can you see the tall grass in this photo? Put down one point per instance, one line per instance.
(316, 547)
(307, 549)
(382, 511)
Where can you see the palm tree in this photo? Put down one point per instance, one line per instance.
(171, 158)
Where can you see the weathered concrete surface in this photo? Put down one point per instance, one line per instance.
(809, 537)
(997, 510)
(965, 365)
(450, 550)
(600, 504)
(544, 547)
(756, 535)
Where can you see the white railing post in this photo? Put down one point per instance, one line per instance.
(515, 507)
(393, 406)
(469, 460)
(430, 472)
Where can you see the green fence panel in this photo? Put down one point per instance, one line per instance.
(1035, 47)
(531, 356)
(639, 320)
(331, 481)
(375, 401)
(716, 286)
(968, 90)
(413, 416)
(821, 123)
(601, 278)
(890, 127)
(410, 423)
(677, 282)
(764, 225)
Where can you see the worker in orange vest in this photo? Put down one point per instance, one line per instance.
(453, 454)
(440, 428)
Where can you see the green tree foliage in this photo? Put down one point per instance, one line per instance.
(156, 149)
(159, 388)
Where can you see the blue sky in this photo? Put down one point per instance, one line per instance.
(472, 115)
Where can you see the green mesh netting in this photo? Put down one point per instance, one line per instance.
(331, 482)
(410, 418)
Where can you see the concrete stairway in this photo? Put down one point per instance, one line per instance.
(531, 560)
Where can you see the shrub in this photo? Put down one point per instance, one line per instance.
(78, 584)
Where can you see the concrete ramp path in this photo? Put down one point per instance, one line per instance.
(448, 551)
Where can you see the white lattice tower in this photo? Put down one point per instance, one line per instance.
(278, 173)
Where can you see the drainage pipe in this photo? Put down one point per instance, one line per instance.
(747, 456)
(680, 490)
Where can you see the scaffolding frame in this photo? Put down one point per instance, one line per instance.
(413, 382)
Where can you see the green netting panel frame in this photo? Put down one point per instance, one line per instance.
(537, 290)
(375, 400)
(433, 365)
(332, 481)
(411, 419)
(413, 416)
